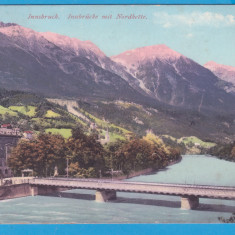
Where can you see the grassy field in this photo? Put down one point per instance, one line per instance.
(170, 137)
(26, 110)
(113, 136)
(103, 123)
(4, 111)
(193, 139)
(127, 105)
(66, 133)
(53, 123)
(51, 114)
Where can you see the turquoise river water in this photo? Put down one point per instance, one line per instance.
(78, 206)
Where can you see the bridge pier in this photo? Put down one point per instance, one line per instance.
(34, 191)
(105, 195)
(189, 202)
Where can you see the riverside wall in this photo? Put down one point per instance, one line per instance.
(134, 174)
(24, 190)
(15, 191)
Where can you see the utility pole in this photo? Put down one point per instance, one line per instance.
(112, 165)
(67, 169)
(46, 169)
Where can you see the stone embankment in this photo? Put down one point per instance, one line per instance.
(134, 174)
(16, 187)
(15, 191)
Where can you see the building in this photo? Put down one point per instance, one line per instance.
(106, 138)
(9, 137)
(28, 135)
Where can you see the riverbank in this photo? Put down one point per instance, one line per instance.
(148, 171)
(134, 174)
(19, 186)
(79, 205)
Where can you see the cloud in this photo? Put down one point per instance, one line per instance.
(193, 19)
(189, 35)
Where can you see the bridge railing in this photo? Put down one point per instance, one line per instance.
(141, 187)
(136, 183)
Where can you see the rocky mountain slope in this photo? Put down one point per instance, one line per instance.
(174, 79)
(30, 62)
(225, 73)
(59, 66)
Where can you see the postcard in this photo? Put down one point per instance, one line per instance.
(116, 114)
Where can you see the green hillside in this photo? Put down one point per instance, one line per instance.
(26, 110)
(66, 133)
(176, 123)
(6, 111)
(31, 112)
(186, 130)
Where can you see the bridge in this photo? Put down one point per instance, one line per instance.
(106, 189)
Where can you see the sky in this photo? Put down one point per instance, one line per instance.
(202, 33)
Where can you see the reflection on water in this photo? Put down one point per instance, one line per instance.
(78, 206)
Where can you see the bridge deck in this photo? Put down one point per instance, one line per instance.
(140, 187)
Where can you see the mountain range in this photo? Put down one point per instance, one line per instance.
(59, 66)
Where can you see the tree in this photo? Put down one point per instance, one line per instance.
(42, 155)
(231, 219)
(134, 155)
(86, 151)
(113, 159)
(138, 154)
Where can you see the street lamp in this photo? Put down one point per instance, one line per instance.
(112, 165)
(112, 173)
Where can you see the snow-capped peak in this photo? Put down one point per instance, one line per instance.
(29, 39)
(72, 44)
(14, 30)
(214, 66)
(24, 37)
(133, 57)
(224, 72)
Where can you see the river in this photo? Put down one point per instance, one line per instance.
(78, 206)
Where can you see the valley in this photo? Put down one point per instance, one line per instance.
(136, 113)
(54, 83)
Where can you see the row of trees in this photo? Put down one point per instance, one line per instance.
(48, 154)
(224, 151)
(138, 154)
